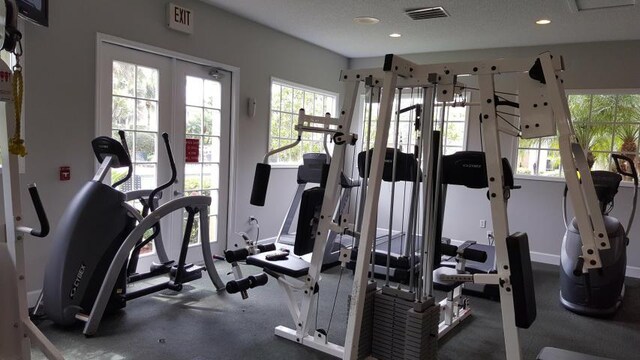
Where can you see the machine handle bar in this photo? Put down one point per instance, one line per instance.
(634, 174)
(42, 215)
(617, 158)
(174, 172)
(123, 141)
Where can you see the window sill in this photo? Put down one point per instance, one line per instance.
(538, 178)
(628, 184)
(285, 166)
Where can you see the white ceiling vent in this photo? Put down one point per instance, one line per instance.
(427, 13)
(584, 5)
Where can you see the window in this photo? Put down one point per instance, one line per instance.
(455, 118)
(454, 127)
(286, 100)
(603, 123)
(135, 110)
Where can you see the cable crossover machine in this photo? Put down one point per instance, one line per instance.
(543, 111)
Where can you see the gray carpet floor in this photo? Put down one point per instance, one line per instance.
(201, 324)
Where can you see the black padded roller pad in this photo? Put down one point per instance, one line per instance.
(468, 253)
(235, 255)
(474, 255)
(249, 282)
(524, 297)
(260, 184)
(266, 247)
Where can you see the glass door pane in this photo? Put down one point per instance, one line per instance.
(202, 124)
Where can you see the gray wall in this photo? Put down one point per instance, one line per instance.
(536, 207)
(60, 75)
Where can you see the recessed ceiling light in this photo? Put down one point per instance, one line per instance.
(395, 35)
(365, 20)
(543, 22)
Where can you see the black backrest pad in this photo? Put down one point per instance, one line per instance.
(406, 166)
(104, 146)
(310, 206)
(468, 168)
(311, 169)
(524, 297)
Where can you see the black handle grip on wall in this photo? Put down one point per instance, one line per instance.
(42, 215)
(260, 184)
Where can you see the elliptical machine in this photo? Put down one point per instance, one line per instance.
(598, 292)
(91, 261)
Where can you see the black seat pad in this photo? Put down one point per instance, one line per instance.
(292, 266)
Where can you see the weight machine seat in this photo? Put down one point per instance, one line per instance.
(446, 286)
(550, 353)
(292, 266)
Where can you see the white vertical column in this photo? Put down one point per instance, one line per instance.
(329, 204)
(370, 215)
(493, 158)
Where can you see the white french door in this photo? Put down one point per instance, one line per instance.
(145, 95)
(202, 115)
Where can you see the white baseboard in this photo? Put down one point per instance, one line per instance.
(633, 272)
(545, 258)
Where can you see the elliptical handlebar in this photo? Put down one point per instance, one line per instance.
(174, 173)
(123, 141)
(617, 158)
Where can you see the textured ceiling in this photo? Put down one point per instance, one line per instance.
(474, 24)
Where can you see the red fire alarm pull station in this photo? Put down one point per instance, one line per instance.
(192, 150)
(65, 173)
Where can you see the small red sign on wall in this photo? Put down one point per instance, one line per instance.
(192, 150)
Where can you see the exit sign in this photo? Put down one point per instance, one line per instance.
(180, 19)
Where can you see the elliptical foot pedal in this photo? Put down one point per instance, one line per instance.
(161, 267)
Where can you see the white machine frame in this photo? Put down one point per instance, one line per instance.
(544, 111)
(17, 332)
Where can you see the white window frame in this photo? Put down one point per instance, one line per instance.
(276, 80)
(361, 112)
(569, 92)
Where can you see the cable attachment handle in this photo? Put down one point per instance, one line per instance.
(16, 143)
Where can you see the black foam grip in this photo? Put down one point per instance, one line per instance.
(260, 184)
(449, 250)
(42, 215)
(249, 282)
(235, 255)
(267, 247)
(259, 280)
(474, 255)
